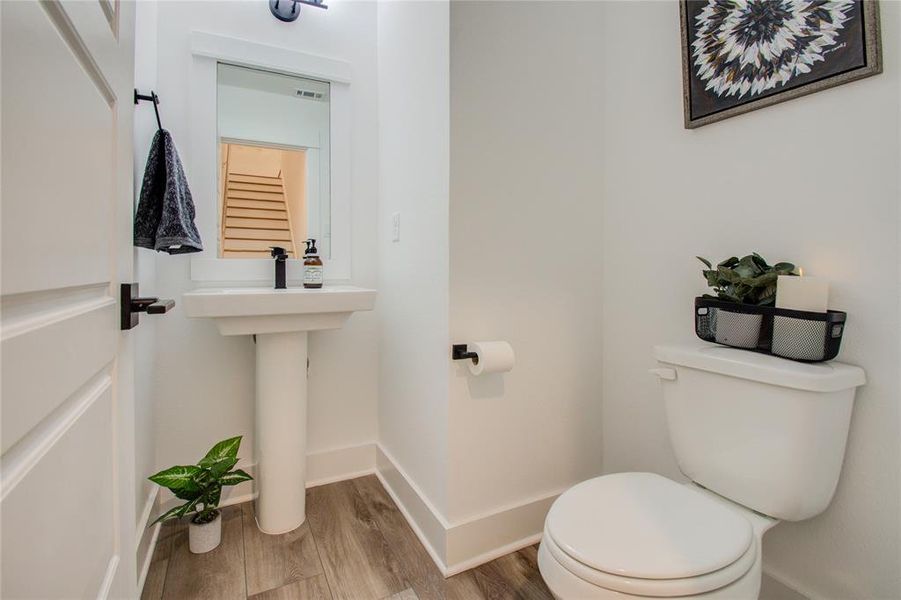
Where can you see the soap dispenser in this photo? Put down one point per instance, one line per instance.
(312, 266)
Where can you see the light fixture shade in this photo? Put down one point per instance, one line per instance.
(289, 10)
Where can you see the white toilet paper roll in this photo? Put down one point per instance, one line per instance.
(493, 357)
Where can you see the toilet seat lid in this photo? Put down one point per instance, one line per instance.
(646, 526)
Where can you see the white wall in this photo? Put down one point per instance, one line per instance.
(814, 180)
(525, 222)
(255, 115)
(413, 273)
(205, 381)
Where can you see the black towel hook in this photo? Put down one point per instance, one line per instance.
(151, 98)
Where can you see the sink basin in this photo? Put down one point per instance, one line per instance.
(243, 311)
(279, 320)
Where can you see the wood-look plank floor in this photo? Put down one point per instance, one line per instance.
(355, 545)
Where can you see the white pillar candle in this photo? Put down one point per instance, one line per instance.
(802, 293)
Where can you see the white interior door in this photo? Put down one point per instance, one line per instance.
(66, 410)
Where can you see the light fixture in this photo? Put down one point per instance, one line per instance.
(289, 10)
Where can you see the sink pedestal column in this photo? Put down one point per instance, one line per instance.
(280, 319)
(280, 434)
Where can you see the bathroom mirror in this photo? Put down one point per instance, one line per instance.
(274, 185)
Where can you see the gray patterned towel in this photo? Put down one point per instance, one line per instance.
(165, 218)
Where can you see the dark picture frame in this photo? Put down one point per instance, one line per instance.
(855, 53)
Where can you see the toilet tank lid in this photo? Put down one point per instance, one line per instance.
(744, 364)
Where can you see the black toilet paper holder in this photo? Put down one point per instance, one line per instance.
(460, 352)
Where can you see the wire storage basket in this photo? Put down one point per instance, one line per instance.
(796, 334)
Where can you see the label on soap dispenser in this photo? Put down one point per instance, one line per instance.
(312, 274)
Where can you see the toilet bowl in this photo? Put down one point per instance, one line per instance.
(755, 434)
(640, 535)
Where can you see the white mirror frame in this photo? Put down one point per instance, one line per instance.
(209, 49)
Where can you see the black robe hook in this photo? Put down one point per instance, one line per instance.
(151, 98)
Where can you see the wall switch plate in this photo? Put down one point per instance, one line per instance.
(395, 227)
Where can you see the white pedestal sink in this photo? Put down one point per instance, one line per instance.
(280, 320)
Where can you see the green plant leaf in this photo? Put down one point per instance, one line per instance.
(784, 268)
(172, 513)
(224, 449)
(180, 477)
(729, 297)
(746, 280)
(211, 498)
(705, 261)
(219, 468)
(729, 262)
(187, 494)
(768, 293)
(763, 280)
(746, 267)
(235, 477)
(759, 261)
(200, 484)
(204, 478)
(728, 275)
(192, 505)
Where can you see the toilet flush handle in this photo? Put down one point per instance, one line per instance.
(663, 373)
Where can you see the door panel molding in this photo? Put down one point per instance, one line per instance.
(80, 51)
(110, 10)
(23, 313)
(21, 458)
(57, 222)
(50, 363)
(59, 512)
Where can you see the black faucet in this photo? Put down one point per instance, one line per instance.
(280, 256)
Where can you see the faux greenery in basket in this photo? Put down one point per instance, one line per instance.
(200, 485)
(746, 280)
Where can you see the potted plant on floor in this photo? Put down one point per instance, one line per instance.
(746, 280)
(200, 486)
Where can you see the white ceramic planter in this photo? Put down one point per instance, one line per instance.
(737, 329)
(206, 537)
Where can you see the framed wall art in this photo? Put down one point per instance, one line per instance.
(741, 55)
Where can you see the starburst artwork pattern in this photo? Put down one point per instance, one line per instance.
(746, 47)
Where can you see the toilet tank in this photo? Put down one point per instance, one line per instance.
(765, 432)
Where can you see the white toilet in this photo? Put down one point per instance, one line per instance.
(761, 439)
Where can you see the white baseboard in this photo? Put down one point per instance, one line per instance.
(460, 546)
(341, 464)
(427, 522)
(483, 538)
(773, 587)
(490, 555)
(146, 536)
(146, 558)
(322, 467)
